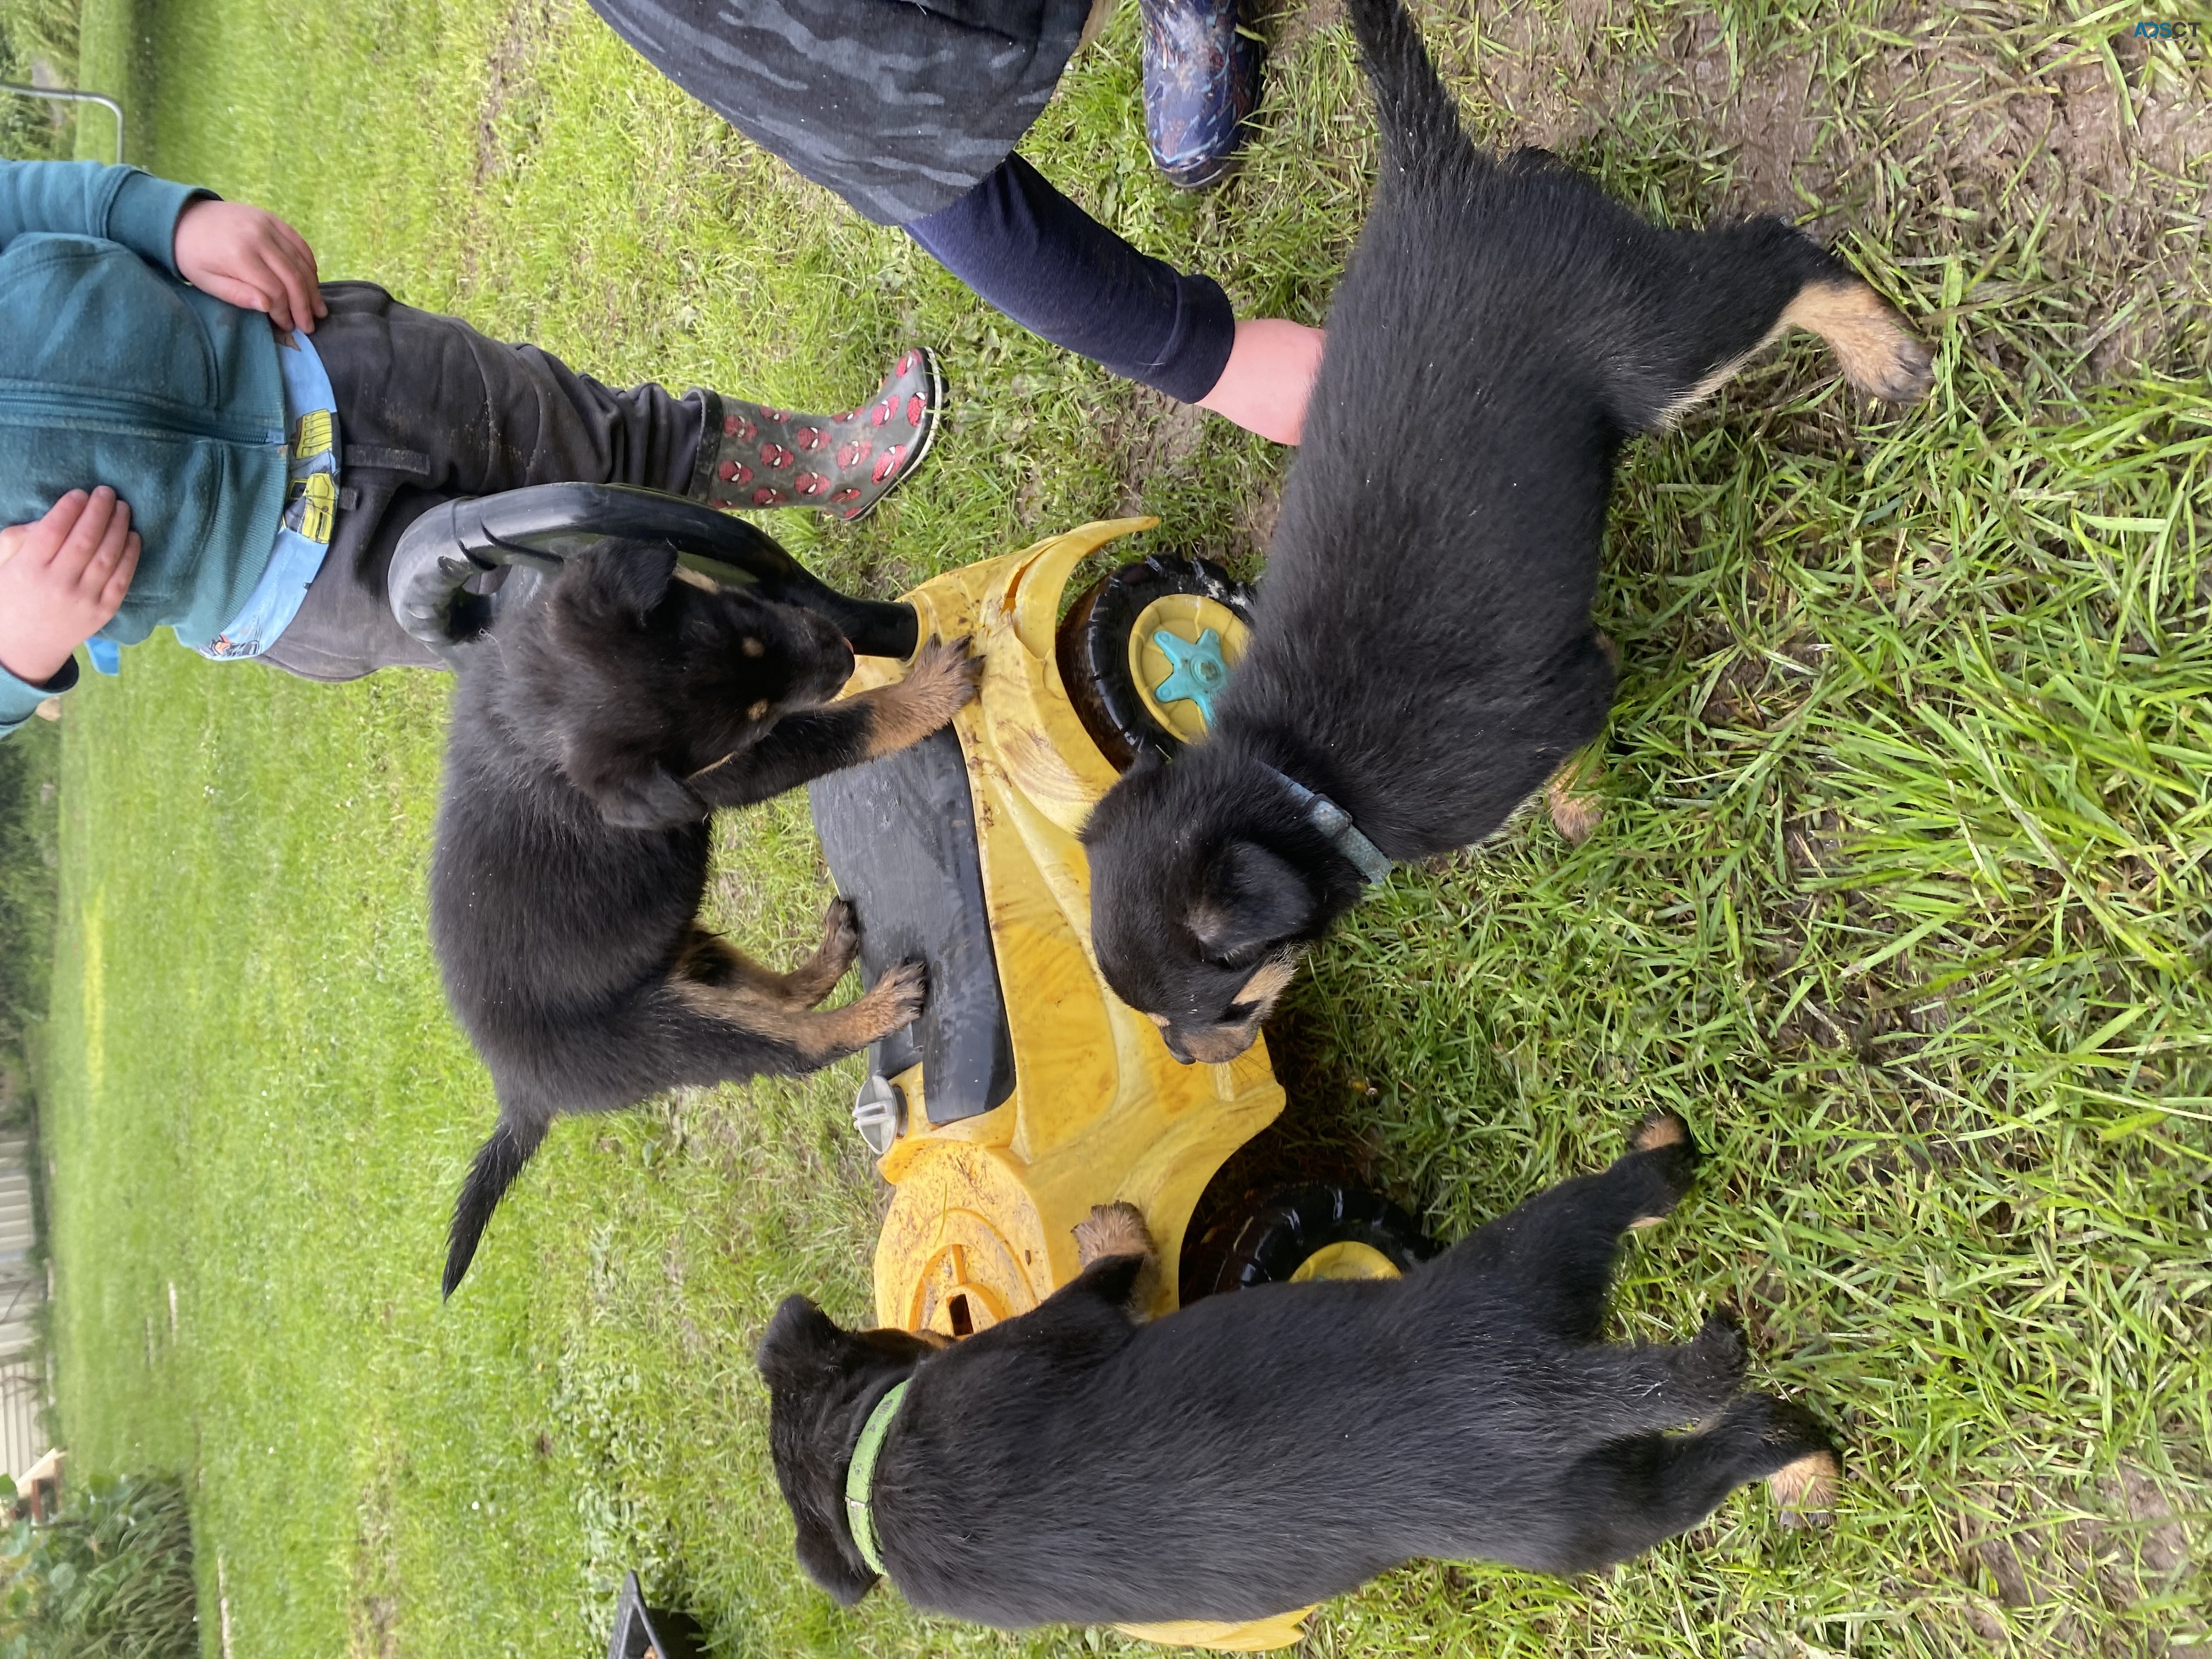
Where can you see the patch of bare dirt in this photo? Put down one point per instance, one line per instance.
(2049, 1563)
(1289, 25)
(2077, 185)
(510, 72)
(372, 1604)
(1158, 436)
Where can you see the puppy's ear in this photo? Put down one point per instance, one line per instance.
(642, 796)
(822, 1555)
(802, 1342)
(624, 580)
(1252, 897)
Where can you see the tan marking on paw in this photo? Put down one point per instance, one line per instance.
(1111, 1229)
(750, 647)
(1806, 1490)
(895, 1001)
(1660, 1130)
(1869, 341)
(1871, 345)
(757, 709)
(698, 579)
(1574, 807)
(1576, 817)
(815, 977)
(943, 680)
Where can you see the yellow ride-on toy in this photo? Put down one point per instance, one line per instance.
(1027, 1092)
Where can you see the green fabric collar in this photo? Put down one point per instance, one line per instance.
(861, 1476)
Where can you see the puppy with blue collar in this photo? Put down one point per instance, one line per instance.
(1423, 656)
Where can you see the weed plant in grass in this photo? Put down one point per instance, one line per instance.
(108, 1577)
(1899, 892)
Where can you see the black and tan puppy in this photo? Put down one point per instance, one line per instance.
(1267, 1447)
(1422, 656)
(591, 740)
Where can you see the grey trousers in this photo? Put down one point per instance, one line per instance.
(430, 411)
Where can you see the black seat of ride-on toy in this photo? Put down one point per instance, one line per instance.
(900, 836)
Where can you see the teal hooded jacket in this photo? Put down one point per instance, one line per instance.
(114, 370)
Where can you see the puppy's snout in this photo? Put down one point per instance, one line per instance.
(1208, 1045)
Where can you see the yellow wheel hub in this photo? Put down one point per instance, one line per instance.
(1345, 1260)
(1190, 618)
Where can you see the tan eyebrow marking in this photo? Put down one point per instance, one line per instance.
(1270, 982)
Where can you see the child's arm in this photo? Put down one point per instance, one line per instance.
(61, 579)
(242, 254)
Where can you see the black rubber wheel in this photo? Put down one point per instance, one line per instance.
(1094, 648)
(1289, 1229)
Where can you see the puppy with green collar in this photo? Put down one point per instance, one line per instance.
(1262, 1449)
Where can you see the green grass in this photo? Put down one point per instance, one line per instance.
(1901, 890)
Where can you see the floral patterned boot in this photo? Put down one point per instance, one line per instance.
(842, 464)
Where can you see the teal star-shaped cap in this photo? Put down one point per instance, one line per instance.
(1199, 670)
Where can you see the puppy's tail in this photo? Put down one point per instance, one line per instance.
(1419, 120)
(499, 1160)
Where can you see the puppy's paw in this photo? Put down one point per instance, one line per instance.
(815, 978)
(1805, 1488)
(1570, 794)
(1800, 1460)
(897, 999)
(1718, 1350)
(1903, 373)
(1574, 814)
(1869, 341)
(840, 939)
(1111, 1229)
(943, 680)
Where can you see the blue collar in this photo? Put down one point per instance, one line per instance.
(1333, 822)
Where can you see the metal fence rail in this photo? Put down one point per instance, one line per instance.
(63, 94)
(23, 1289)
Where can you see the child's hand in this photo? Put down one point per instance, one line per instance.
(252, 259)
(62, 580)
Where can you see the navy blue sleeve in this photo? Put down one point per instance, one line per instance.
(1034, 255)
